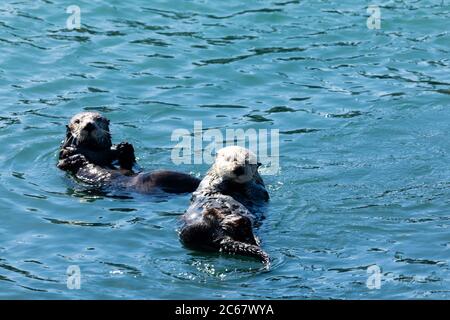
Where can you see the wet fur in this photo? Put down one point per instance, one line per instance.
(90, 158)
(144, 182)
(223, 212)
(96, 147)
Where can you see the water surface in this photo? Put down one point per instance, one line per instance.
(364, 150)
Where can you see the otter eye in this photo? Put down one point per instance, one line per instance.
(77, 121)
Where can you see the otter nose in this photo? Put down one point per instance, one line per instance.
(89, 127)
(239, 171)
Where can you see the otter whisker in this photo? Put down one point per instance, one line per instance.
(70, 140)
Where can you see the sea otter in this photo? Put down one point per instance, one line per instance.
(87, 152)
(88, 134)
(226, 206)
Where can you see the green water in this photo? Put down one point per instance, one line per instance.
(364, 118)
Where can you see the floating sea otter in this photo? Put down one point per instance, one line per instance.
(88, 134)
(226, 206)
(88, 153)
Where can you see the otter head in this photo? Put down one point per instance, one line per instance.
(236, 164)
(89, 129)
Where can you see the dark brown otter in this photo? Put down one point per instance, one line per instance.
(226, 206)
(88, 134)
(87, 152)
(144, 182)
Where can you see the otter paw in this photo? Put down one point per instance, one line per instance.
(125, 154)
(67, 152)
(125, 148)
(72, 163)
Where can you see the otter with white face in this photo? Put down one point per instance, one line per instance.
(236, 164)
(226, 205)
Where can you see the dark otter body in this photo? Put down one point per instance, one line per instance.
(148, 182)
(222, 215)
(87, 152)
(253, 195)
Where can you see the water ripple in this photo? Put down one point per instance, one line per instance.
(363, 121)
